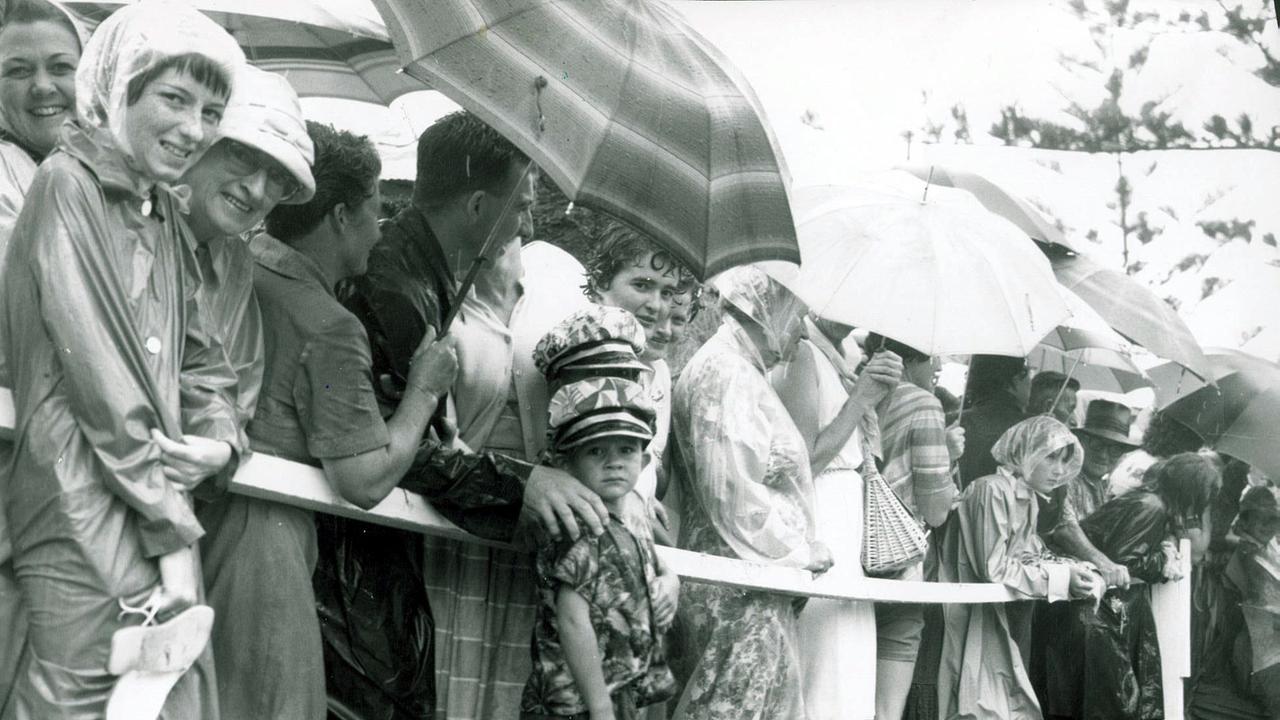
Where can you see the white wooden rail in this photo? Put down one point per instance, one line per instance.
(279, 480)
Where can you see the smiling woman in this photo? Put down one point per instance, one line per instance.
(107, 357)
(39, 52)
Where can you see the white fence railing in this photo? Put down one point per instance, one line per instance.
(279, 480)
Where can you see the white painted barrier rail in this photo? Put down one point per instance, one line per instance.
(279, 480)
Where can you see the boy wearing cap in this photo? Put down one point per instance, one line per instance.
(597, 636)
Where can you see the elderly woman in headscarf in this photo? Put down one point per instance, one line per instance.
(743, 472)
(992, 538)
(105, 351)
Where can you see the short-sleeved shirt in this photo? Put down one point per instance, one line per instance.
(612, 573)
(914, 439)
(317, 399)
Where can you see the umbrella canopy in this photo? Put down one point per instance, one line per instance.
(940, 275)
(324, 49)
(1239, 416)
(1133, 311)
(624, 106)
(1007, 205)
(1085, 348)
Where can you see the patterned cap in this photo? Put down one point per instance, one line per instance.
(600, 407)
(593, 338)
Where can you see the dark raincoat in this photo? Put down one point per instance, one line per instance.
(375, 614)
(1105, 665)
(104, 344)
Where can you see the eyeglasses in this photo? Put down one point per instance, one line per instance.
(246, 161)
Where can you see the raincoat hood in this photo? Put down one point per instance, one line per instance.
(767, 303)
(1027, 444)
(6, 125)
(131, 42)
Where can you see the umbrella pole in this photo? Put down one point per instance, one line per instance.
(1070, 371)
(483, 258)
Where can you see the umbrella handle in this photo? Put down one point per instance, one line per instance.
(483, 258)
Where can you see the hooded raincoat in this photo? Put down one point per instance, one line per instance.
(105, 344)
(992, 538)
(743, 472)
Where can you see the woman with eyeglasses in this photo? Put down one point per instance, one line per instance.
(262, 158)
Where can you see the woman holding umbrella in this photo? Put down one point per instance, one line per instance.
(743, 472)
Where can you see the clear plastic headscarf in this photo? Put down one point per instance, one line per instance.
(767, 303)
(1027, 444)
(82, 36)
(132, 41)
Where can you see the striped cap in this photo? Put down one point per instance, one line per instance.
(600, 407)
(595, 338)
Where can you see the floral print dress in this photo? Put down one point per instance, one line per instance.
(743, 472)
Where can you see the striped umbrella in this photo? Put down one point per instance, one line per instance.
(998, 200)
(627, 109)
(325, 49)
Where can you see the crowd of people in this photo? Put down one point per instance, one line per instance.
(193, 272)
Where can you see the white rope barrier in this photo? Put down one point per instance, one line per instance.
(275, 479)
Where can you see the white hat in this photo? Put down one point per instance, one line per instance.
(264, 113)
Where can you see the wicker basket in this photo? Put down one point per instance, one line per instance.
(892, 539)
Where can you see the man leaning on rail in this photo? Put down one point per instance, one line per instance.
(405, 294)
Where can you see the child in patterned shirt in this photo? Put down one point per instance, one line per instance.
(597, 640)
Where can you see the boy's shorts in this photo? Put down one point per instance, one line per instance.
(624, 708)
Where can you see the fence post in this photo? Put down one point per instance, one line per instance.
(1171, 606)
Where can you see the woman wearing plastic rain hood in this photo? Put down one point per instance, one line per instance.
(992, 538)
(743, 472)
(107, 350)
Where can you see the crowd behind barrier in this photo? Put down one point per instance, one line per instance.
(279, 480)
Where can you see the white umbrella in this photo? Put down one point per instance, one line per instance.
(934, 272)
(1084, 347)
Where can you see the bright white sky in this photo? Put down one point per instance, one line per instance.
(861, 67)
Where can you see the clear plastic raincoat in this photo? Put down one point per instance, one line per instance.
(992, 538)
(98, 314)
(743, 473)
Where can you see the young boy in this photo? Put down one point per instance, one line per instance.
(597, 640)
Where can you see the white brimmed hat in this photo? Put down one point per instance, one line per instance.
(264, 113)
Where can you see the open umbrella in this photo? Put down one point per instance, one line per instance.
(1239, 417)
(1133, 311)
(324, 49)
(938, 273)
(1085, 348)
(625, 107)
(1013, 208)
